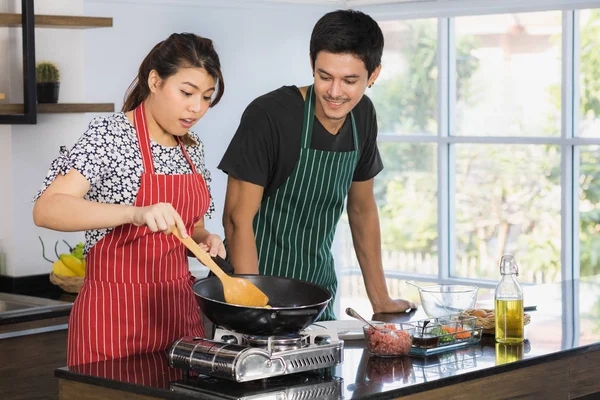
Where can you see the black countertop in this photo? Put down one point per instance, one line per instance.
(566, 322)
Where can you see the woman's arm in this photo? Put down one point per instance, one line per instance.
(62, 207)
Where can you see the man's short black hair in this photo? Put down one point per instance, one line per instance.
(348, 32)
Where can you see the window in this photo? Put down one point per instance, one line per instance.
(489, 129)
(508, 74)
(589, 81)
(507, 199)
(589, 210)
(589, 156)
(405, 95)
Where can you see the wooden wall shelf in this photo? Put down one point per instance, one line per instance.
(60, 108)
(57, 21)
(27, 20)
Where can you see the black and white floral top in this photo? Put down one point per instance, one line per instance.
(108, 156)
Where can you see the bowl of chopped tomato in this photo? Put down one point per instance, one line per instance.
(388, 339)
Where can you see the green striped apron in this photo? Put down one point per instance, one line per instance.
(294, 227)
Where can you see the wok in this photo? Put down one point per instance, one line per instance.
(295, 305)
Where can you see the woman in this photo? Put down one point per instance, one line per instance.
(130, 179)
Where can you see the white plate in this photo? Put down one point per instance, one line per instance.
(346, 329)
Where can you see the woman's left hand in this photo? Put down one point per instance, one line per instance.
(213, 245)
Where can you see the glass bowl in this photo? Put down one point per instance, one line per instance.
(389, 340)
(442, 300)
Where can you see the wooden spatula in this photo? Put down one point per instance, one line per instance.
(238, 291)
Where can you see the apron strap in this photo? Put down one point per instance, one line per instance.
(187, 157)
(354, 131)
(141, 128)
(309, 117)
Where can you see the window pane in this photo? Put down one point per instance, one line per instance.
(406, 194)
(589, 311)
(589, 211)
(589, 64)
(509, 74)
(508, 199)
(405, 94)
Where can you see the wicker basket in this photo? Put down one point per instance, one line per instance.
(489, 323)
(70, 284)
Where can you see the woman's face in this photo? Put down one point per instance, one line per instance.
(181, 100)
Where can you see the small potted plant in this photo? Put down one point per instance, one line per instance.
(48, 82)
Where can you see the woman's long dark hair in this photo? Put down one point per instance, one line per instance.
(180, 50)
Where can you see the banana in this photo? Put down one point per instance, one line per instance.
(60, 269)
(74, 264)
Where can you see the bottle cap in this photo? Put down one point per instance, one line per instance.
(508, 265)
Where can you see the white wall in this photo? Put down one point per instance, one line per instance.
(27, 149)
(262, 46)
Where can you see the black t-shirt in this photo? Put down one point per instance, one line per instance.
(266, 145)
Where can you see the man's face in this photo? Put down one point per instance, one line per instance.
(340, 83)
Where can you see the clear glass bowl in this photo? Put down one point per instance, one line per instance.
(442, 300)
(389, 340)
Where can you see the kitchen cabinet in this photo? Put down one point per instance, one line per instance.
(28, 363)
(33, 343)
(26, 113)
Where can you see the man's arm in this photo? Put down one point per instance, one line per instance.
(241, 205)
(366, 235)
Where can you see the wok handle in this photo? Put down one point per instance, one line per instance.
(297, 313)
(224, 264)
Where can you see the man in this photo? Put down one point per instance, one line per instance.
(298, 154)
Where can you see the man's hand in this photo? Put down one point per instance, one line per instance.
(395, 306)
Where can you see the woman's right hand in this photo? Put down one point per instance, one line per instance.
(159, 217)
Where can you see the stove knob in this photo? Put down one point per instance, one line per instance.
(322, 339)
(230, 339)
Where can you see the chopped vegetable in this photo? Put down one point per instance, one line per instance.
(459, 333)
(445, 336)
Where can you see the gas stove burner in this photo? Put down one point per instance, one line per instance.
(244, 358)
(277, 343)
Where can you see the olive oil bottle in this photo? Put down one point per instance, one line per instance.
(509, 352)
(508, 304)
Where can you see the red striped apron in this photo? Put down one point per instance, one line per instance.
(137, 295)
